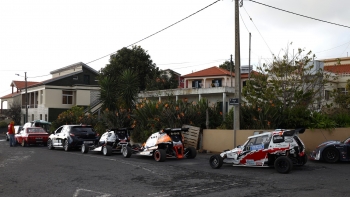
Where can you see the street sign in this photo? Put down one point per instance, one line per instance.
(234, 101)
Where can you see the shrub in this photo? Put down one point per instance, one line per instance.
(3, 124)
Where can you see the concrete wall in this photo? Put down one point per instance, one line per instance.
(218, 140)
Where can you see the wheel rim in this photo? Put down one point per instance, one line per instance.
(23, 143)
(66, 145)
(83, 149)
(124, 152)
(330, 154)
(49, 144)
(157, 155)
(282, 165)
(215, 162)
(105, 150)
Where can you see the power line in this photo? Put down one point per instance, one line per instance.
(158, 31)
(39, 76)
(243, 22)
(333, 47)
(300, 14)
(189, 62)
(258, 30)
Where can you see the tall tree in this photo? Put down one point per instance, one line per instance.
(227, 66)
(128, 71)
(15, 112)
(284, 87)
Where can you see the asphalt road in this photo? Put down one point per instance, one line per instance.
(37, 171)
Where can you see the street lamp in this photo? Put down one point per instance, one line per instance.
(26, 106)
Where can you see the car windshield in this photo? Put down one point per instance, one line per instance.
(35, 130)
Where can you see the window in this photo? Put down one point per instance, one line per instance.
(87, 79)
(67, 97)
(41, 96)
(197, 84)
(343, 90)
(45, 117)
(32, 117)
(216, 83)
(41, 116)
(326, 95)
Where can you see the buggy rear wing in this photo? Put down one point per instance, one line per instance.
(294, 132)
(122, 129)
(175, 129)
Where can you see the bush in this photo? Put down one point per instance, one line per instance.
(3, 124)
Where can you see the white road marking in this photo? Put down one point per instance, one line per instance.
(81, 190)
(124, 162)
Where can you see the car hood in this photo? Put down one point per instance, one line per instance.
(328, 143)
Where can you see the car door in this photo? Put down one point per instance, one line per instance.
(56, 141)
(256, 152)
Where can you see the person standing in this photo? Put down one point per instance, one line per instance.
(11, 131)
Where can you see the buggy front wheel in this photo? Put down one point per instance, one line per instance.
(216, 161)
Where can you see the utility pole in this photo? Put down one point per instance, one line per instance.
(231, 71)
(25, 78)
(250, 35)
(237, 72)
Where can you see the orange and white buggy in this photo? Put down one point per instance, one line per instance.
(167, 143)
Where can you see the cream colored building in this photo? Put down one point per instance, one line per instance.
(73, 85)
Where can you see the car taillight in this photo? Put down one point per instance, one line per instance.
(71, 134)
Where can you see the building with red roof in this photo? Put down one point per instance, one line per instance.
(215, 84)
(73, 85)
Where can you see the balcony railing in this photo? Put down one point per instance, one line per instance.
(30, 106)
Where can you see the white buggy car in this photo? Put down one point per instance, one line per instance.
(281, 149)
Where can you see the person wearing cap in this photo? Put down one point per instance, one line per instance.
(11, 131)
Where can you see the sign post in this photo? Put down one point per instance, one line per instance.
(234, 101)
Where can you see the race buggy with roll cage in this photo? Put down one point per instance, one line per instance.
(112, 141)
(281, 149)
(167, 143)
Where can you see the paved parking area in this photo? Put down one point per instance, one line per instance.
(38, 171)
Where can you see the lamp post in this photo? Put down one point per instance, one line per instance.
(26, 106)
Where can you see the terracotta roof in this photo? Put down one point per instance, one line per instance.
(212, 71)
(10, 95)
(22, 84)
(343, 68)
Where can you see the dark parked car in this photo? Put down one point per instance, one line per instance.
(72, 137)
(332, 151)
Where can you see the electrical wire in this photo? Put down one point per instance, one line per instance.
(334, 47)
(243, 22)
(157, 31)
(189, 62)
(258, 30)
(300, 14)
(39, 76)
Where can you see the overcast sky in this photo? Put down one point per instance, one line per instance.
(40, 36)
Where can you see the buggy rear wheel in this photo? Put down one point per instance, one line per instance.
(283, 164)
(126, 151)
(191, 152)
(159, 155)
(84, 148)
(107, 150)
(331, 155)
(216, 161)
